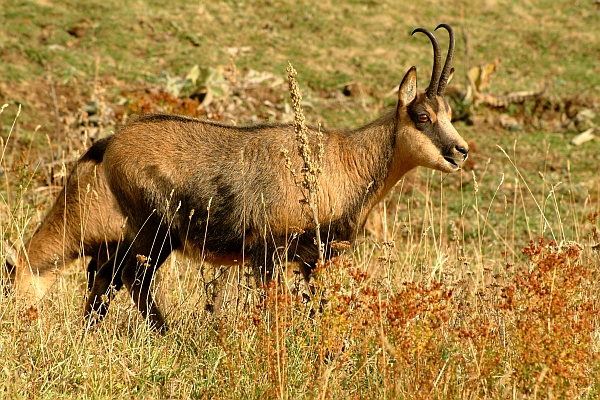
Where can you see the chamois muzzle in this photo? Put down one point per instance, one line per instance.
(458, 155)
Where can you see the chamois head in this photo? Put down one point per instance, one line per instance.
(426, 135)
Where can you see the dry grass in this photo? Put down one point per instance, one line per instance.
(480, 284)
(418, 311)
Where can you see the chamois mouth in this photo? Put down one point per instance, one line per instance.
(451, 161)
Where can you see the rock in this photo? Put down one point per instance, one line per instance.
(584, 120)
(511, 123)
(583, 137)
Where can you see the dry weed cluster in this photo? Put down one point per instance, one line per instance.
(536, 335)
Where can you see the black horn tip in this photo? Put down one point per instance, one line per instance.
(422, 30)
(445, 26)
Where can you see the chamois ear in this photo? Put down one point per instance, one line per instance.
(408, 88)
(450, 75)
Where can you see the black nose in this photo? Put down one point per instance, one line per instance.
(463, 151)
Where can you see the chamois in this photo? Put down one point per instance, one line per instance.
(223, 193)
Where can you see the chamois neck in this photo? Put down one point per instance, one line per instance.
(370, 157)
(373, 149)
(367, 152)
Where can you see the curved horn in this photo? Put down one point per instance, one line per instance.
(448, 64)
(437, 66)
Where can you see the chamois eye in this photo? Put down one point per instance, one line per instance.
(423, 118)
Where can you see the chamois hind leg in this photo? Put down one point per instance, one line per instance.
(148, 252)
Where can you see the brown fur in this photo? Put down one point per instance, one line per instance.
(93, 228)
(225, 193)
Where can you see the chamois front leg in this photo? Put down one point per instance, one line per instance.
(105, 283)
(147, 253)
(137, 276)
(99, 258)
